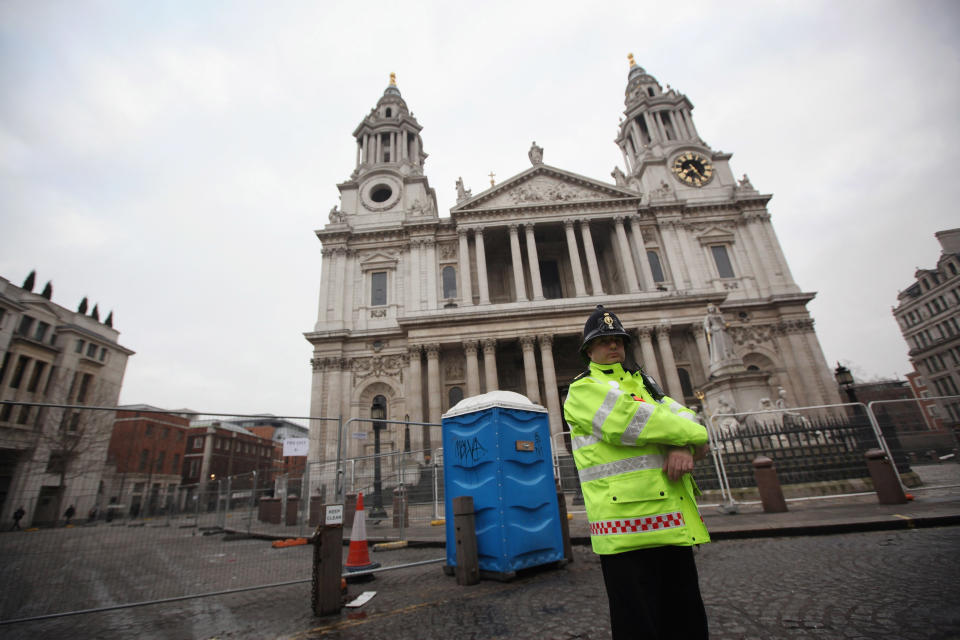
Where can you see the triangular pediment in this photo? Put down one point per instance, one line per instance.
(543, 185)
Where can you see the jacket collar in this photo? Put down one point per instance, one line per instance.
(615, 369)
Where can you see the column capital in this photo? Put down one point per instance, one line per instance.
(545, 340)
(470, 346)
(489, 345)
(526, 342)
(698, 330)
(569, 222)
(477, 231)
(619, 219)
(663, 330)
(414, 350)
(463, 232)
(432, 349)
(644, 332)
(513, 226)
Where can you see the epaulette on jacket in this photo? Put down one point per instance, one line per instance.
(582, 375)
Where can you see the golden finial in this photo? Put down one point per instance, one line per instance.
(393, 79)
(633, 62)
(492, 174)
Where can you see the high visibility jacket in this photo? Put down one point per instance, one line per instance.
(620, 436)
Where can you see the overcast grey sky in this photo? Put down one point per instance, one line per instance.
(171, 160)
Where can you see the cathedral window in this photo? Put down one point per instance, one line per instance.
(454, 396)
(722, 260)
(389, 113)
(655, 268)
(667, 125)
(378, 288)
(385, 145)
(449, 277)
(550, 279)
(650, 91)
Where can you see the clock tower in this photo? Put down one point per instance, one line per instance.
(664, 154)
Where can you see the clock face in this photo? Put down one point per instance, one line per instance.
(692, 169)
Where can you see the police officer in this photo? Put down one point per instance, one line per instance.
(634, 448)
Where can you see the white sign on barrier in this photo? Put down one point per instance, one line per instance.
(293, 447)
(334, 514)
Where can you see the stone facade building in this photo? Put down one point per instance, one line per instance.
(53, 457)
(928, 312)
(417, 311)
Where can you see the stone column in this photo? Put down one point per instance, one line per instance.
(647, 358)
(672, 257)
(534, 261)
(378, 153)
(431, 273)
(490, 364)
(550, 385)
(325, 268)
(466, 291)
(414, 380)
(672, 379)
(413, 286)
(530, 369)
(473, 367)
(591, 258)
(626, 257)
(433, 390)
(754, 253)
(575, 266)
(337, 286)
(481, 266)
(703, 348)
(331, 405)
(646, 277)
(518, 281)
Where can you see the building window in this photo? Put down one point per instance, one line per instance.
(175, 466)
(24, 414)
(84, 387)
(56, 463)
(722, 260)
(449, 276)
(26, 323)
(142, 465)
(455, 395)
(655, 269)
(550, 278)
(160, 457)
(91, 350)
(41, 333)
(38, 368)
(378, 288)
(22, 363)
(103, 354)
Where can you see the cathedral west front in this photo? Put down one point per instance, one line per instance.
(417, 311)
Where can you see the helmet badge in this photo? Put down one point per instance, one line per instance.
(608, 320)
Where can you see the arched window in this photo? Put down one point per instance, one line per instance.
(655, 267)
(449, 276)
(455, 395)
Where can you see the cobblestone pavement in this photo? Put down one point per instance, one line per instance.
(897, 585)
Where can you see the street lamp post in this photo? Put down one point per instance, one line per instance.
(378, 412)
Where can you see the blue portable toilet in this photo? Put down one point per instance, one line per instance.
(496, 449)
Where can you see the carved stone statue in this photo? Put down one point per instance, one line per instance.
(535, 154)
(718, 340)
(745, 182)
(619, 177)
(462, 193)
(336, 215)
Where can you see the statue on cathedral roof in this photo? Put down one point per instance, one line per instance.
(535, 154)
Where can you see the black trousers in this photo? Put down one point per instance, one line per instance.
(654, 594)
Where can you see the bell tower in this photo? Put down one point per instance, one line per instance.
(660, 144)
(387, 186)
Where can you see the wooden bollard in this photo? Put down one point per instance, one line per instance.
(564, 525)
(884, 476)
(771, 495)
(328, 563)
(465, 535)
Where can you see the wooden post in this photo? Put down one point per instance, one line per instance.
(465, 534)
(564, 525)
(327, 569)
(884, 476)
(771, 495)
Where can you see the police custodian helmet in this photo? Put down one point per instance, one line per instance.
(602, 324)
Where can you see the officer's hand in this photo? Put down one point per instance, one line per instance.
(701, 452)
(679, 461)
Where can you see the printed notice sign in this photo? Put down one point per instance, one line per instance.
(295, 447)
(334, 514)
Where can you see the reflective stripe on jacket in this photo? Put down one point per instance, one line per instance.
(620, 437)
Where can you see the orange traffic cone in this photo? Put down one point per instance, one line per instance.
(358, 558)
